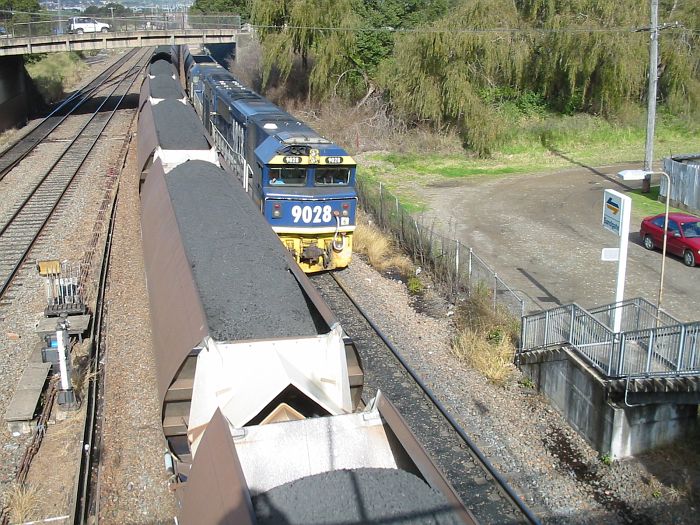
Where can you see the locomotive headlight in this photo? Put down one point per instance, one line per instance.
(276, 211)
(334, 160)
(313, 156)
(345, 210)
(292, 160)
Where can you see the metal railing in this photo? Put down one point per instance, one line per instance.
(663, 350)
(20, 24)
(636, 313)
(235, 160)
(454, 265)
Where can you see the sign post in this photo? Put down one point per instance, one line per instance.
(616, 218)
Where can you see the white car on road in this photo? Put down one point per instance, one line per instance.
(81, 24)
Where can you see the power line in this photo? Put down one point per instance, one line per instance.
(497, 30)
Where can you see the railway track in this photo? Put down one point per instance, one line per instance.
(477, 483)
(20, 231)
(15, 152)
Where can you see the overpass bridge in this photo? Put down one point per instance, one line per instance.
(95, 41)
(27, 33)
(53, 34)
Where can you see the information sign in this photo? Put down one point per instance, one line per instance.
(614, 204)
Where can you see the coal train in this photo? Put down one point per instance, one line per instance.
(260, 388)
(303, 183)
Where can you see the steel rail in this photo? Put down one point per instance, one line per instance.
(441, 408)
(84, 95)
(83, 497)
(5, 285)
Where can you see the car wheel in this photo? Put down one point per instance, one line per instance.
(104, 29)
(79, 31)
(689, 258)
(648, 242)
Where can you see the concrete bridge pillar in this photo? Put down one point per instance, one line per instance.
(18, 97)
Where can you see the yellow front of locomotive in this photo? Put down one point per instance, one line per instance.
(309, 199)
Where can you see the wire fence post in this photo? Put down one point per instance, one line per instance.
(495, 290)
(469, 275)
(381, 204)
(456, 267)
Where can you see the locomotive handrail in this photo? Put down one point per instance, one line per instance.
(232, 158)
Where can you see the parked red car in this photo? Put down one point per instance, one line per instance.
(683, 235)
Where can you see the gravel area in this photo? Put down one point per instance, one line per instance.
(553, 469)
(133, 482)
(69, 236)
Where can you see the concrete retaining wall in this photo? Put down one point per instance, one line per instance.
(577, 391)
(14, 102)
(19, 98)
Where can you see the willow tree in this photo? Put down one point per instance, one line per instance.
(593, 55)
(438, 74)
(322, 32)
(679, 79)
(340, 43)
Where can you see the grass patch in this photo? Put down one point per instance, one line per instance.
(535, 144)
(645, 204)
(54, 73)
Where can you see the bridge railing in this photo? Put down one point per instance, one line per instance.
(663, 350)
(17, 24)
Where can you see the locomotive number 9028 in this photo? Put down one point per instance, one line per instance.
(312, 214)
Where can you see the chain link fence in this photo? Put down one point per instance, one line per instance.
(453, 265)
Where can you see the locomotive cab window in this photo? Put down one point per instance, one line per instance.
(335, 175)
(288, 175)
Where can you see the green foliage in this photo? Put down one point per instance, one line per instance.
(438, 75)
(120, 11)
(606, 459)
(341, 43)
(51, 72)
(527, 382)
(27, 6)
(236, 7)
(478, 67)
(325, 30)
(414, 285)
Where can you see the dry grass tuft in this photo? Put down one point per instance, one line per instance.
(379, 248)
(489, 355)
(486, 337)
(23, 502)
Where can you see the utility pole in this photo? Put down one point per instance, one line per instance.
(651, 94)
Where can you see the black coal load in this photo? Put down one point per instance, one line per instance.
(165, 87)
(162, 53)
(178, 127)
(161, 67)
(239, 265)
(361, 496)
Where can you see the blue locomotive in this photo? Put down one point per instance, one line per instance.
(303, 183)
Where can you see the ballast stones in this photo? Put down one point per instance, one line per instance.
(361, 496)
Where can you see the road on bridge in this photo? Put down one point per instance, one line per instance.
(542, 233)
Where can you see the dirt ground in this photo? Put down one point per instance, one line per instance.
(542, 233)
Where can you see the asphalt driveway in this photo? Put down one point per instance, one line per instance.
(542, 233)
